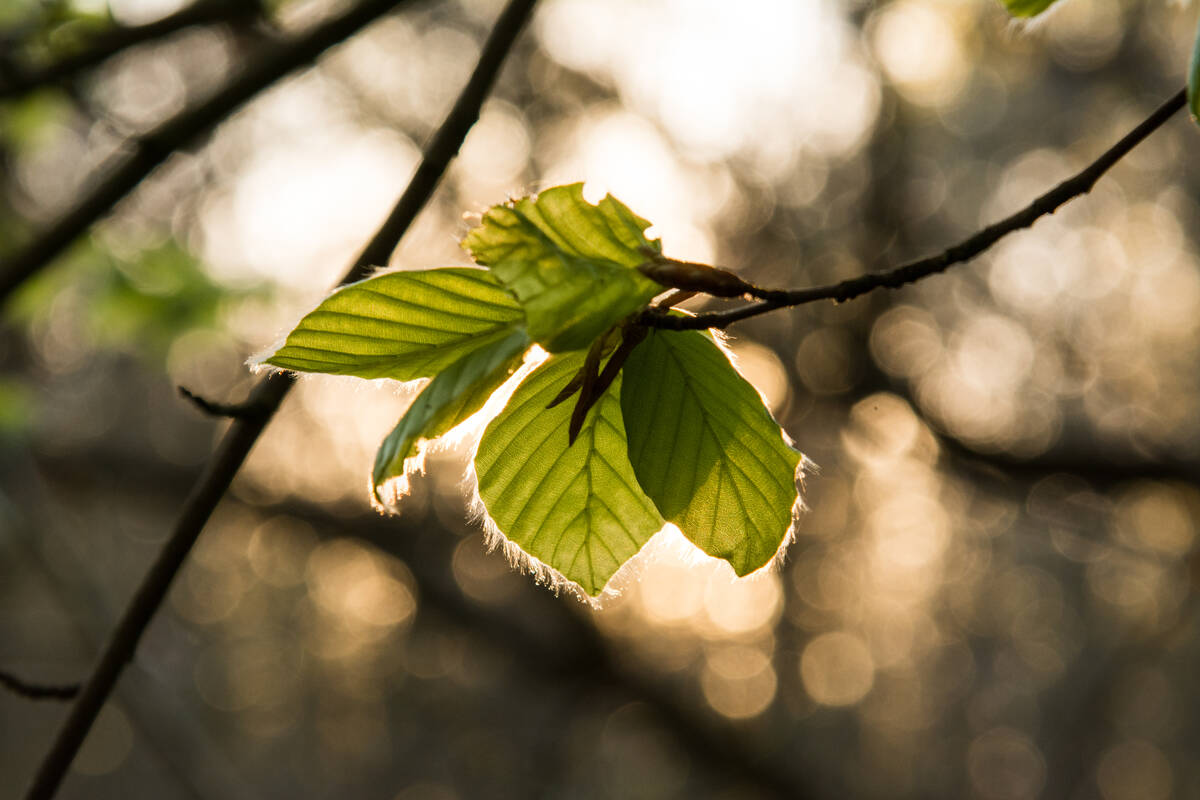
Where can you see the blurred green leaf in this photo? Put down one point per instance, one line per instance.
(156, 297)
(20, 13)
(140, 303)
(449, 399)
(16, 407)
(402, 325)
(43, 31)
(569, 263)
(1027, 8)
(1193, 86)
(26, 122)
(706, 450)
(577, 508)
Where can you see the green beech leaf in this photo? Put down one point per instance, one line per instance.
(576, 508)
(449, 399)
(569, 263)
(1193, 87)
(1027, 8)
(706, 450)
(401, 325)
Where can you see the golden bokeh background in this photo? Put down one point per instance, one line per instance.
(991, 595)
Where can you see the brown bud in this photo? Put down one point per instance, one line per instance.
(693, 277)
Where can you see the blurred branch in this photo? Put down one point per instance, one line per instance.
(243, 410)
(36, 691)
(563, 645)
(1079, 451)
(964, 251)
(1099, 466)
(170, 731)
(152, 149)
(1081, 455)
(268, 394)
(17, 80)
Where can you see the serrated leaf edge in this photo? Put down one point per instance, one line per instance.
(257, 365)
(386, 496)
(667, 541)
(539, 571)
(542, 573)
(804, 466)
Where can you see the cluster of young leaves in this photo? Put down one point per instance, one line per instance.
(1031, 8)
(665, 429)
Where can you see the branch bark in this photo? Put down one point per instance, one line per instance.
(152, 149)
(964, 251)
(37, 691)
(268, 394)
(214, 409)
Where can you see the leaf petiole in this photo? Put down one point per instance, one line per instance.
(632, 335)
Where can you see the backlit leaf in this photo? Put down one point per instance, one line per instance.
(449, 399)
(576, 508)
(401, 325)
(706, 450)
(571, 264)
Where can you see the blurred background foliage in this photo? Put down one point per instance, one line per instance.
(992, 595)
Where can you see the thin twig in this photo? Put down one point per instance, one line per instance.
(120, 38)
(152, 149)
(268, 394)
(38, 691)
(631, 337)
(243, 410)
(964, 251)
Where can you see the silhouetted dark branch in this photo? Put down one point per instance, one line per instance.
(554, 642)
(1101, 467)
(559, 645)
(151, 150)
(37, 691)
(243, 410)
(18, 80)
(1102, 464)
(169, 732)
(268, 394)
(962, 252)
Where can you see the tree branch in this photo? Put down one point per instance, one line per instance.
(268, 394)
(243, 410)
(152, 149)
(19, 80)
(37, 691)
(552, 642)
(964, 251)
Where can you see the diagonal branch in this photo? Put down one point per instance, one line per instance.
(109, 43)
(152, 149)
(964, 251)
(268, 394)
(37, 691)
(553, 641)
